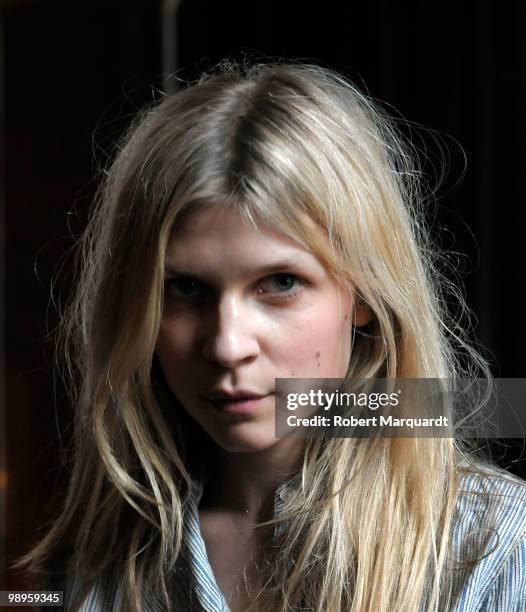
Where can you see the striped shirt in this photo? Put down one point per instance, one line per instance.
(489, 526)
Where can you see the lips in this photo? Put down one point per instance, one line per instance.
(236, 402)
(233, 395)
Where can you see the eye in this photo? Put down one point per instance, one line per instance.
(183, 286)
(281, 284)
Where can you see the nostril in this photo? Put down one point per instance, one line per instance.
(231, 348)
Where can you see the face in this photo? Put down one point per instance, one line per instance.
(243, 307)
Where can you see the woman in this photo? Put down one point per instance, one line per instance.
(264, 223)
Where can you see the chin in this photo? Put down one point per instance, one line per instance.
(245, 439)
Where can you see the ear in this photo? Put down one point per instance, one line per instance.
(362, 313)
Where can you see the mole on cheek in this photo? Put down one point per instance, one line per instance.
(318, 354)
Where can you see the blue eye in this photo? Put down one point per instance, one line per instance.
(183, 286)
(282, 283)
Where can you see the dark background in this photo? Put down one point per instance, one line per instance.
(75, 72)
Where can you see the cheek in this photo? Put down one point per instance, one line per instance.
(174, 345)
(320, 345)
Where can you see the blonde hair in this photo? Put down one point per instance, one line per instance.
(281, 143)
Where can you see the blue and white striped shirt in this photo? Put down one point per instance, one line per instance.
(489, 525)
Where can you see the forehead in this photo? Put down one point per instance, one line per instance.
(217, 235)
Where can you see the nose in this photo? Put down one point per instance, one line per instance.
(231, 334)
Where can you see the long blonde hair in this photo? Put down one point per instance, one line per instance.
(280, 143)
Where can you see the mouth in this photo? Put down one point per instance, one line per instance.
(238, 405)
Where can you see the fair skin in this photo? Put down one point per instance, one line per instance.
(243, 307)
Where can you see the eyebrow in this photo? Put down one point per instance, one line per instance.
(270, 268)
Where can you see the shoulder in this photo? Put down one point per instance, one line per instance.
(488, 542)
(493, 500)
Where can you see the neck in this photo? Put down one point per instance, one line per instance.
(246, 482)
